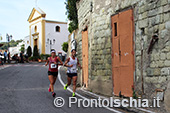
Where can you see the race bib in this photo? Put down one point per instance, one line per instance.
(53, 66)
(73, 70)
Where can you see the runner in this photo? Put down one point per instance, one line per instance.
(72, 63)
(53, 70)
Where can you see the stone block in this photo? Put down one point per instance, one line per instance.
(168, 56)
(167, 63)
(157, 71)
(164, 2)
(151, 79)
(143, 23)
(165, 71)
(161, 27)
(153, 64)
(164, 33)
(162, 56)
(156, 56)
(167, 8)
(150, 72)
(160, 64)
(167, 24)
(152, 21)
(166, 17)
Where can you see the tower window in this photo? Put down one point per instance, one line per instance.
(57, 29)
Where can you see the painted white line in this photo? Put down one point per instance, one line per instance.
(145, 110)
(141, 109)
(59, 77)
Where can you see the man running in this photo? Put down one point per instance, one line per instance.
(53, 70)
(72, 63)
(5, 56)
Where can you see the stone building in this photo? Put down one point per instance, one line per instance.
(124, 44)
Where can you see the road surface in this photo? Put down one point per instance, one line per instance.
(24, 89)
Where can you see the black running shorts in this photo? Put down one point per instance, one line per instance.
(55, 74)
(71, 74)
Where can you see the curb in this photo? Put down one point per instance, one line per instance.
(135, 110)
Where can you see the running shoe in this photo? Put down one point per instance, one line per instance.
(65, 87)
(49, 89)
(53, 94)
(74, 95)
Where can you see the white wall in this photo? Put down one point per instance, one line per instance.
(26, 42)
(16, 50)
(59, 37)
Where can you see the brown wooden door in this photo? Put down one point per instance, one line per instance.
(85, 57)
(123, 57)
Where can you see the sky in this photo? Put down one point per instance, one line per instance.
(14, 15)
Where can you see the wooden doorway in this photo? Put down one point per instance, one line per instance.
(85, 57)
(123, 55)
(35, 42)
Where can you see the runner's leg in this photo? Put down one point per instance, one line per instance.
(74, 83)
(68, 81)
(52, 80)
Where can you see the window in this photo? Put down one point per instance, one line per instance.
(48, 40)
(35, 29)
(115, 26)
(57, 29)
(54, 41)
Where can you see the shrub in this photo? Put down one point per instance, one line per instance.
(35, 52)
(29, 51)
(30, 58)
(65, 47)
(44, 56)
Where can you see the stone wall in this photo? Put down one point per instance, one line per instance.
(150, 17)
(74, 33)
(99, 34)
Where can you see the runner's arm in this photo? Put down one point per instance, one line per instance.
(61, 63)
(78, 63)
(65, 64)
(47, 61)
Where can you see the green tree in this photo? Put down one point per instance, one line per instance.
(36, 55)
(72, 14)
(65, 47)
(35, 52)
(29, 51)
(12, 43)
(22, 48)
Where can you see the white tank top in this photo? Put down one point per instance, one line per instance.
(74, 63)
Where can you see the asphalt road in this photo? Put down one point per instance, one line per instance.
(24, 89)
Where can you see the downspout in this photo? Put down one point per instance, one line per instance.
(142, 44)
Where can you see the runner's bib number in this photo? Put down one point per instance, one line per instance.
(73, 70)
(53, 66)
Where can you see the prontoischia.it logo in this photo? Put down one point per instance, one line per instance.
(110, 102)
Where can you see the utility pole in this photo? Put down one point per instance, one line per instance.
(8, 37)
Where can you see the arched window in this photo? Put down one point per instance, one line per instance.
(57, 29)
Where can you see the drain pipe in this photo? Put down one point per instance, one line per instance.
(142, 44)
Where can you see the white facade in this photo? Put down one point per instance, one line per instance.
(26, 42)
(43, 32)
(56, 38)
(16, 50)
